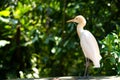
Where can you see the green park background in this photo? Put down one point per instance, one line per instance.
(36, 41)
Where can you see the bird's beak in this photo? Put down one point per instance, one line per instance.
(72, 20)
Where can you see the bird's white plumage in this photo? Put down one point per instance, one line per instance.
(88, 42)
(90, 47)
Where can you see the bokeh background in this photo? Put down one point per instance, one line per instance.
(36, 41)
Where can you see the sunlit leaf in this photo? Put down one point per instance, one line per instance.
(3, 43)
(5, 12)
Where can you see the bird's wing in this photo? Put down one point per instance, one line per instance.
(89, 46)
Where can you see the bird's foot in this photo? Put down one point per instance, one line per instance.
(86, 77)
(83, 77)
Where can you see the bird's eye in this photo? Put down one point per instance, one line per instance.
(76, 18)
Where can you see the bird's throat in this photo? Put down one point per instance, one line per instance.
(79, 29)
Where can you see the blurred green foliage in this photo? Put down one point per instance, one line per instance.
(36, 41)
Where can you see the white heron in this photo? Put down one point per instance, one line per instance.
(88, 43)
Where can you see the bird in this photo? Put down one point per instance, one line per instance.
(88, 43)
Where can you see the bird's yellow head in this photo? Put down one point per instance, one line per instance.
(79, 19)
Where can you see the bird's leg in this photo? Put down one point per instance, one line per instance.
(86, 75)
(86, 68)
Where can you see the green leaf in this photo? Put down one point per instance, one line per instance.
(5, 12)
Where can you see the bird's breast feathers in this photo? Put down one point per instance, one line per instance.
(88, 43)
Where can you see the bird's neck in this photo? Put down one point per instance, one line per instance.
(79, 29)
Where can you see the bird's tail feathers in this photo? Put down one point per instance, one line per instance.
(96, 64)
